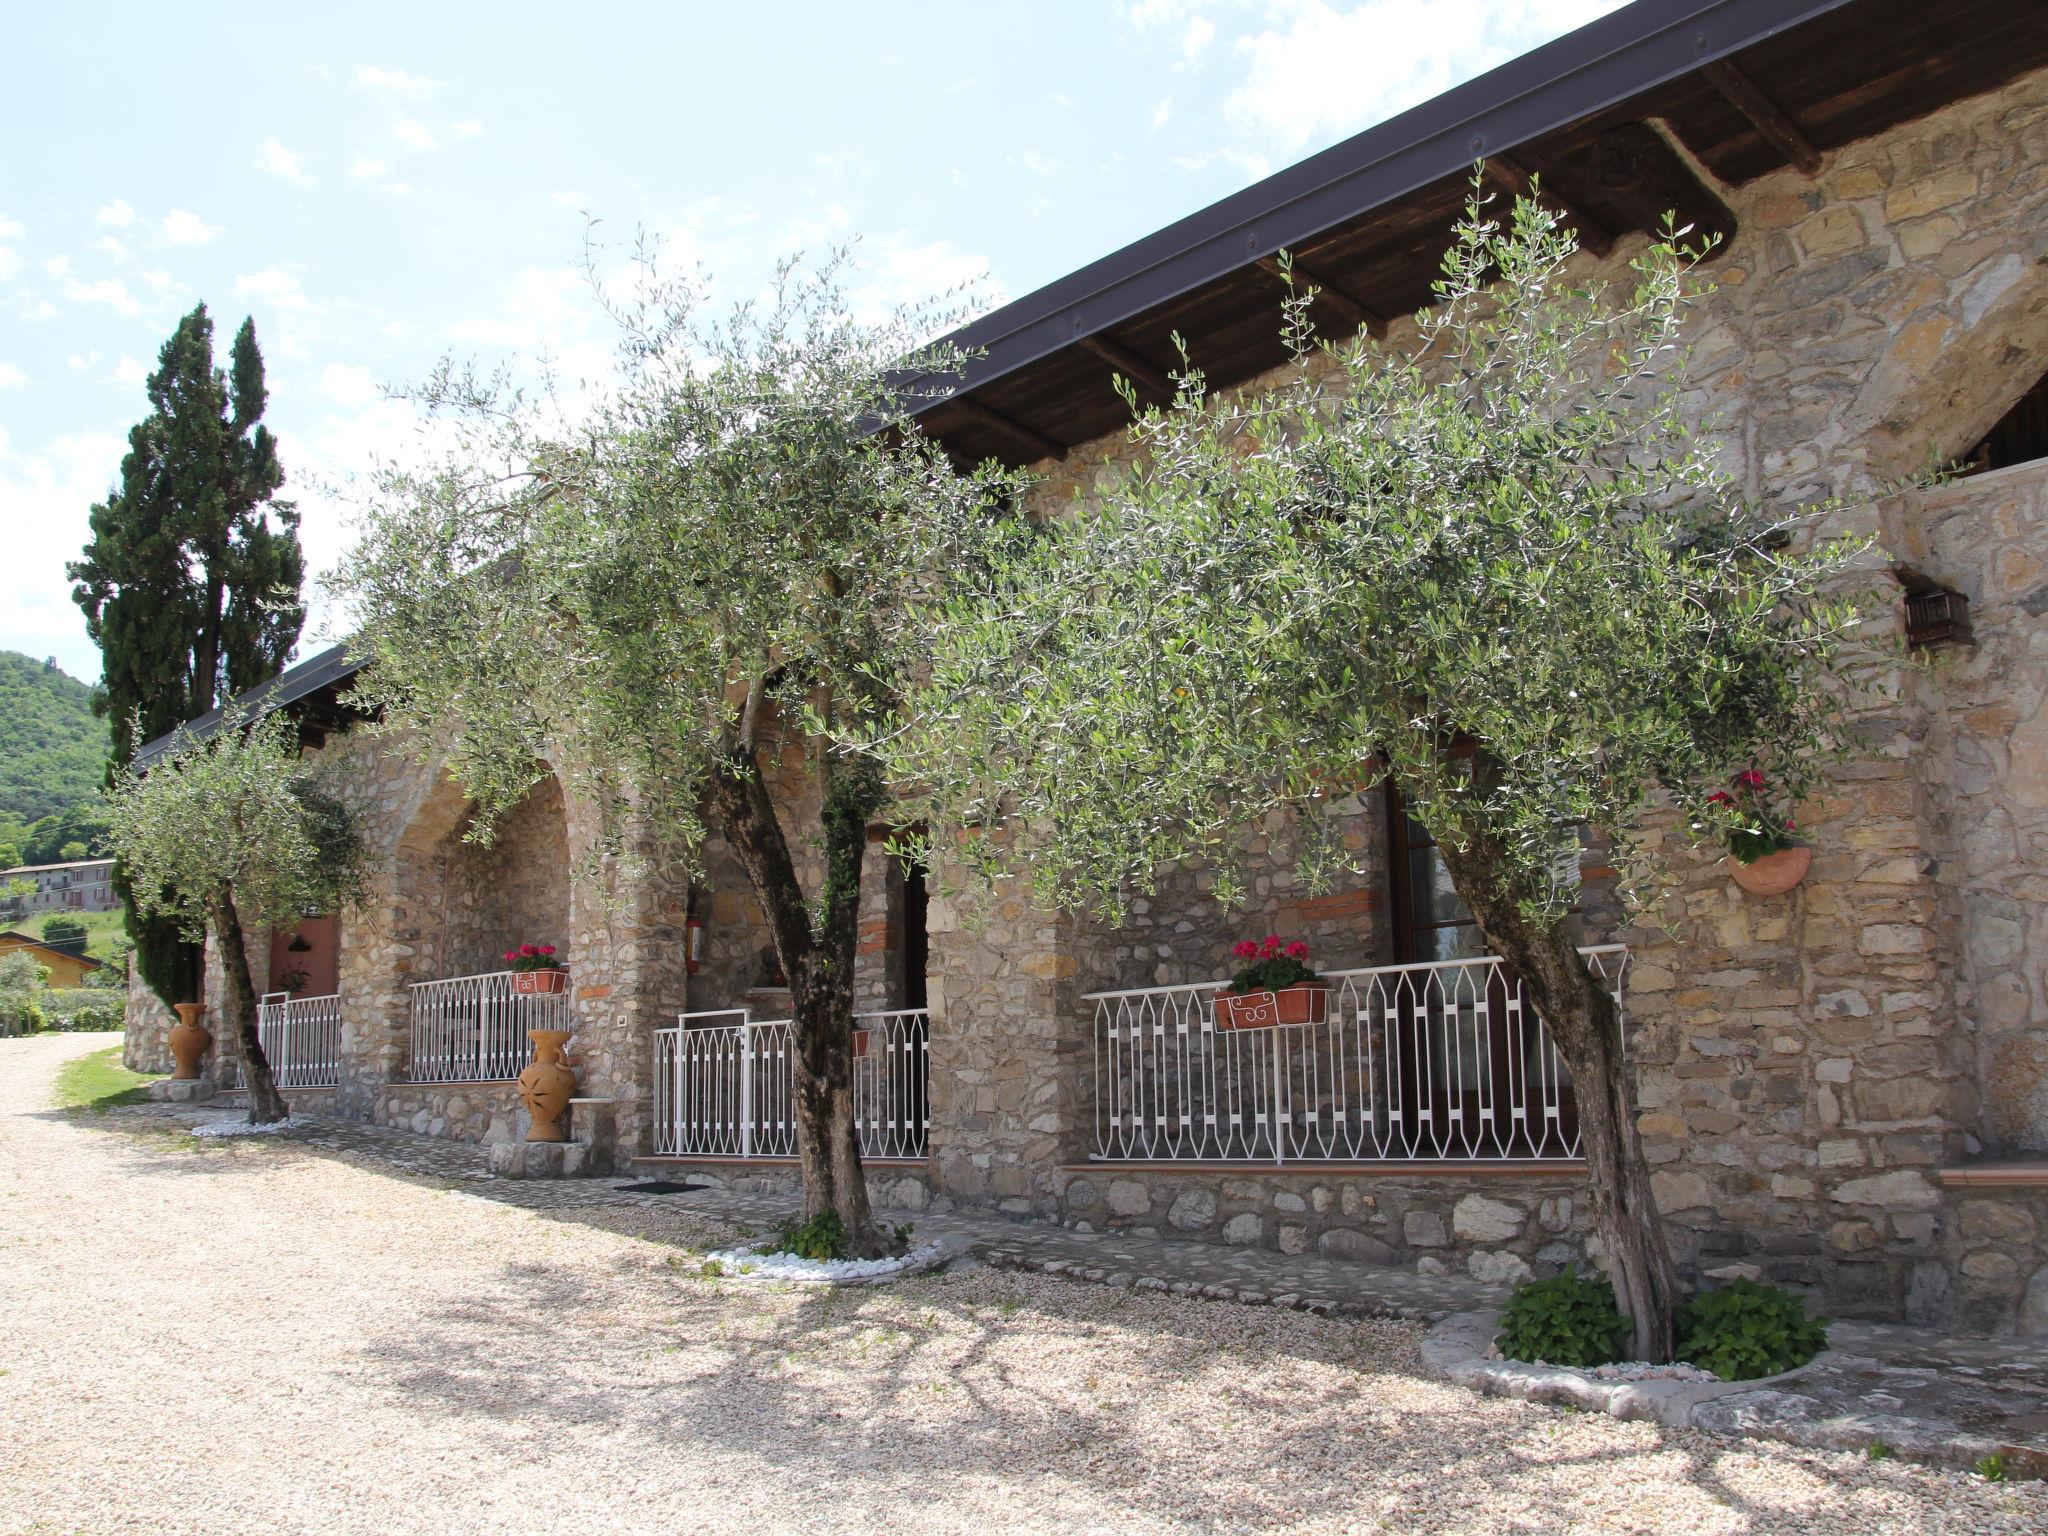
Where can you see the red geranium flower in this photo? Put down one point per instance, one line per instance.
(1297, 950)
(1750, 780)
(545, 949)
(1246, 950)
(1720, 797)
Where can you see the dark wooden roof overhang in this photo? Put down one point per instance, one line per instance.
(1608, 120)
(315, 691)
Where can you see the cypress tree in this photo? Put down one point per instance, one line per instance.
(189, 587)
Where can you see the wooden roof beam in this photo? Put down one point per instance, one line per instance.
(1039, 445)
(1512, 174)
(1347, 306)
(1130, 365)
(1764, 114)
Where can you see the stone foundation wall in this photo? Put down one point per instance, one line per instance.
(484, 1113)
(1498, 1228)
(1990, 1269)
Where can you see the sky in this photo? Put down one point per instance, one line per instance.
(380, 186)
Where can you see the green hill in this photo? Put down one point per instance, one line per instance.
(53, 749)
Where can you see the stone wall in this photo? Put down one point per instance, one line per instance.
(1496, 1225)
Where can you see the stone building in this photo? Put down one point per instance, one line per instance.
(1844, 1087)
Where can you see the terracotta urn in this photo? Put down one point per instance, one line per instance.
(1306, 1002)
(189, 1040)
(1774, 873)
(547, 1085)
(544, 983)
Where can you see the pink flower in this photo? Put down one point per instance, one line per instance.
(528, 949)
(546, 949)
(1750, 780)
(511, 954)
(1297, 950)
(1790, 823)
(1246, 950)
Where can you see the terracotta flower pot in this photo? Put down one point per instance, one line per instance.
(539, 983)
(1306, 1002)
(189, 1040)
(1774, 873)
(547, 1085)
(860, 1042)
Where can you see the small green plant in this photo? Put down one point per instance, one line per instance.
(713, 1269)
(1745, 1330)
(1878, 1451)
(902, 1230)
(822, 1237)
(1565, 1320)
(1992, 1467)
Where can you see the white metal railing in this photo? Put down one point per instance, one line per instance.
(1437, 1062)
(301, 1038)
(474, 1027)
(727, 1089)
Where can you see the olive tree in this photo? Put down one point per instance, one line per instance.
(230, 829)
(667, 594)
(1493, 564)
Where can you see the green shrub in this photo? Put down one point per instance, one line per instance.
(84, 1008)
(1745, 1330)
(822, 1237)
(1564, 1320)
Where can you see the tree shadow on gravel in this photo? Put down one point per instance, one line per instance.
(1199, 1414)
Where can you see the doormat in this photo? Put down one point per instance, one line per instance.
(657, 1187)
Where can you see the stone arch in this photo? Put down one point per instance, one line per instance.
(1952, 369)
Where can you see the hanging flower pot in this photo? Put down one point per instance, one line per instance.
(1774, 873)
(1274, 986)
(536, 971)
(1762, 858)
(1306, 1002)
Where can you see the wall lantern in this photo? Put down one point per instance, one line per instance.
(1937, 617)
(299, 946)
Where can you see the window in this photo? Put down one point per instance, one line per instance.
(2020, 437)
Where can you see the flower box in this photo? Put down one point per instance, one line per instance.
(545, 983)
(1306, 1002)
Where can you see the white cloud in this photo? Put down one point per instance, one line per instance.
(112, 247)
(161, 281)
(288, 165)
(35, 307)
(11, 229)
(48, 496)
(395, 82)
(1062, 99)
(57, 266)
(11, 377)
(114, 215)
(347, 386)
(397, 189)
(568, 199)
(366, 168)
(182, 228)
(1037, 162)
(110, 291)
(467, 129)
(280, 287)
(1162, 112)
(1318, 73)
(9, 263)
(414, 134)
(1201, 31)
(129, 371)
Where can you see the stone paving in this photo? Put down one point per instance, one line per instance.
(1914, 1392)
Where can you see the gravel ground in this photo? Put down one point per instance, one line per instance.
(251, 1336)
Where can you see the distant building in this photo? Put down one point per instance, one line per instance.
(84, 885)
(66, 970)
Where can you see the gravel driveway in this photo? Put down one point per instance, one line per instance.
(257, 1337)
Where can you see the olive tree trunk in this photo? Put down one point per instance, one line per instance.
(266, 1103)
(1585, 1022)
(816, 952)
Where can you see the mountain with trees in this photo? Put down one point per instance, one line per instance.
(53, 759)
(191, 582)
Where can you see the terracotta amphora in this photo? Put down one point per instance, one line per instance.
(547, 1084)
(189, 1040)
